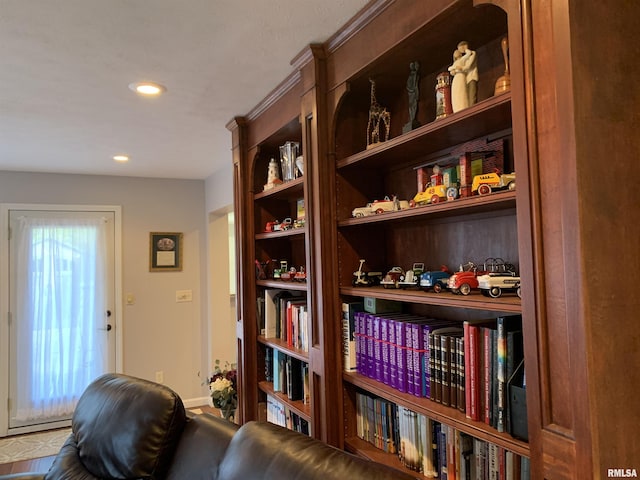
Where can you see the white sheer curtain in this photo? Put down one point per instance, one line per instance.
(60, 312)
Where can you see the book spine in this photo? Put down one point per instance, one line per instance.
(370, 340)
(461, 382)
(401, 355)
(426, 362)
(445, 368)
(393, 352)
(384, 350)
(377, 348)
(409, 365)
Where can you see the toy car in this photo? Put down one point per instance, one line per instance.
(270, 226)
(431, 194)
(488, 182)
(435, 279)
(365, 279)
(286, 224)
(392, 278)
(494, 284)
(300, 275)
(464, 280)
(380, 206)
(411, 278)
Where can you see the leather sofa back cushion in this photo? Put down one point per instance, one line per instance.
(269, 452)
(127, 427)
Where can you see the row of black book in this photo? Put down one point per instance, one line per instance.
(280, 414)
(283, 314)
(432, 448)
(289, 375)
(464, 365)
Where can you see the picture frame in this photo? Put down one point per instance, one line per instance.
(165, 252)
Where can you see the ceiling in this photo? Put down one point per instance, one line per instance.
(65, 67)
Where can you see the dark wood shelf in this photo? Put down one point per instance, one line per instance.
(293, 232)
(484, 118)
(291, 189)
(364, 449)
(297, 406)
(440, 413)
(480, 204)
(298, 286)
(475, 300)
(283, 347)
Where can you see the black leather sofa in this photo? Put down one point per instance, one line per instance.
(128, 428)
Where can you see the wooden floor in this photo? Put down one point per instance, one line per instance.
(43, 464)
(35, 465)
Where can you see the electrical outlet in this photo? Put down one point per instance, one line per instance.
(159, 376)
(184, 296)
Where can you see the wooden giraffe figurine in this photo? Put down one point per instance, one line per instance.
(378, 117)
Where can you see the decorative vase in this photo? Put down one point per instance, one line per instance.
(228, 414)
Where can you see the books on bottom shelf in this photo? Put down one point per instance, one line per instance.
(460, 365)
(434, 449)
(280, 414)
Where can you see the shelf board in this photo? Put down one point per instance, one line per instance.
(296, 406)
(292, 232)
(483, 118)
(475, 300)
(299, 286)
(364, 449)
(440, 413)
(503, 200)
(283, 347)
(291, 189)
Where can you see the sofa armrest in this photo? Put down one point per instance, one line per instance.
(267, 451)
(202, 447)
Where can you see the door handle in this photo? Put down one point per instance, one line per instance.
(107, 328)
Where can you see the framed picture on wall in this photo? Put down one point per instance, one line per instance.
(165, 252)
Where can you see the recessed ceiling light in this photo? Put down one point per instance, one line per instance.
(121, 158)
(149, 89)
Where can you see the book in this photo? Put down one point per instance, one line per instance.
(268, 364)
(271, 318)
(510, 353)
(295, 379)
(349, 310)
(472, 366)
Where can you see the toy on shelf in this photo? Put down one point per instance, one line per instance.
(411, 278)
(392, 278)
(435, 280)
(365, 279)
(380, 206)
(278, 226)
(278, 272)
(300, 275)
(495, 283)
(464, 280)
(379, 123)
(489, 182)
(442, 185)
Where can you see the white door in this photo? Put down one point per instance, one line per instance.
(62, 311)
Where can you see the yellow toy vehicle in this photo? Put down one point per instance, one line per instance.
(488, 182)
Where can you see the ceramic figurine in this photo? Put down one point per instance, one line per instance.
(273, 175)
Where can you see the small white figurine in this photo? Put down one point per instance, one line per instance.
(273, 175)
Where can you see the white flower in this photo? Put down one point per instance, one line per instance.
(220, 385)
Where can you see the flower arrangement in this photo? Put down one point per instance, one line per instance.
(224, 389)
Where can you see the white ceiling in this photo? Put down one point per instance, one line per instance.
(65, 66)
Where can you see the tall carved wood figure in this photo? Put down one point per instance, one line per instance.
(378, 117)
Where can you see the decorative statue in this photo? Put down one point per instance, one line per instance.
(377, 115)
(465, 77)
(273, 175)
(413, 90)
(503, 84)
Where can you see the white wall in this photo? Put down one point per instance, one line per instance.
(158, 333)
(222, 311)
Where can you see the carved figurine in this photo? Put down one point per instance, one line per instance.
(378, 117)
(465, 77)
(413, 91)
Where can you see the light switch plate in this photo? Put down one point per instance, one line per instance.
(184, 296)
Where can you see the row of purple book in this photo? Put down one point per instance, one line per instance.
(394, 349)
